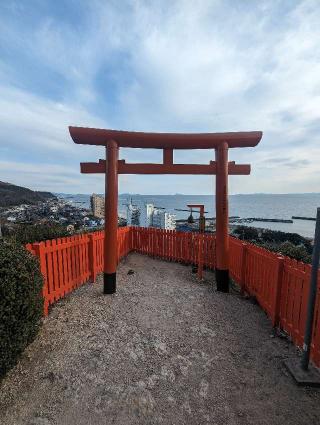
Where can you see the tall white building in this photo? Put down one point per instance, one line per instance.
(169, 221)
(149, 217)
(159, 218)
(133, 214)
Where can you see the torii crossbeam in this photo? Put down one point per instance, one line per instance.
(112, 166)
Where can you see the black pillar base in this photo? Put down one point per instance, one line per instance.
(109, 283)
(310, 377)
(222, 279)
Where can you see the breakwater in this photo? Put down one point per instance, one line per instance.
(266, 220)
(295, 217)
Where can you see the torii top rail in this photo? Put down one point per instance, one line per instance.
(112, 166)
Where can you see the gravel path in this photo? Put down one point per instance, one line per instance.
(163, 350)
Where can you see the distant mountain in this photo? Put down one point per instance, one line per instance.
(11, 195)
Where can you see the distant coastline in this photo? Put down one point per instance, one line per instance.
(267, 206)
(186, 194)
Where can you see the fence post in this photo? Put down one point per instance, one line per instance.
(153, 236)
(132, 238)
(200, 255)
(243, 268)
(39, 250)
(29, 247)
(277, 293)
(92, 258)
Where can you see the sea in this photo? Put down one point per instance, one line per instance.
(280, 206)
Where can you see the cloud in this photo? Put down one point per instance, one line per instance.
(163, 66)
(287, 162)
(35, 122)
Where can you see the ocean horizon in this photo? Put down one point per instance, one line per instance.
(186, 194)
(262, 205)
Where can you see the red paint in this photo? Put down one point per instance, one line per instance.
(111, 209)
(165, 168)
(222, 210)
(135, 139)
(168, 156)
(201, 240)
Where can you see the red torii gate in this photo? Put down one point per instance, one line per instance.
(202, 222)
(112, 166)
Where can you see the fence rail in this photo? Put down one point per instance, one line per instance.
(67, 263)
(279, 284)
(281, 287)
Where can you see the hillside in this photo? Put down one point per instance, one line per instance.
(11, 195)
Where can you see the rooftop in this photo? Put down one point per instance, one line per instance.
(164, 349)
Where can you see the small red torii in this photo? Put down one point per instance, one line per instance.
(112, 166)
(202, 222)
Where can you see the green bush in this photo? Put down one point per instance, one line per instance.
(246, 233)
(21, 302)
(288, 249)
(277, 236)
(299, 252)
(29, 233)
(288, 244)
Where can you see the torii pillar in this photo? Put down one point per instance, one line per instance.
(111, 219)
(222, 219)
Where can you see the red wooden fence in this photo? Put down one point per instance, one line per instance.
(67, 263)
(186, 247)
(279, 284)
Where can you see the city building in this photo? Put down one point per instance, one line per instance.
(157, 217)
(169, 221)
(97, 205)
(133, 214)
(149, 217)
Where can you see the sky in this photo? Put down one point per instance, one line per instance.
(162, 66)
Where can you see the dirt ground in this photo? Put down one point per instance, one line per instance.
(164, 350)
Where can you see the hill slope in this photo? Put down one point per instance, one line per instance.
(11, 195)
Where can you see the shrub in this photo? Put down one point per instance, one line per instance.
(278, 236)
(288, 244)
(297, 252)
(246, 233)
(29, 233)
(288, 249)
(21, 302)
